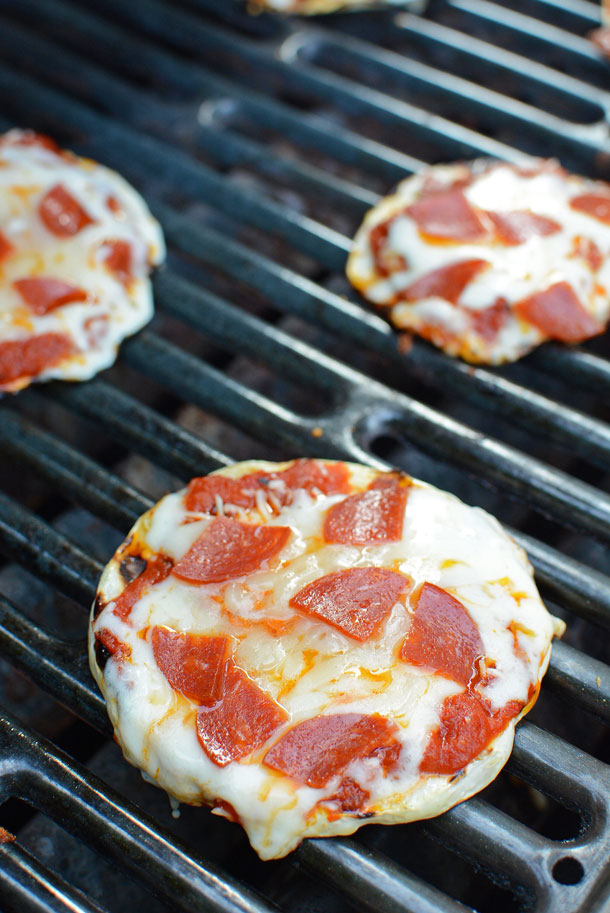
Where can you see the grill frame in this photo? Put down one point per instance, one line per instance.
(362, 409)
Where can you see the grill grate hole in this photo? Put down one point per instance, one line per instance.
(568, 870)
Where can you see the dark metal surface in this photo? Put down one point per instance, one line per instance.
(259, 143)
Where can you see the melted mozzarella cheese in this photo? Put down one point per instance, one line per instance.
(30, 167)
(514, 271)
(311, 668)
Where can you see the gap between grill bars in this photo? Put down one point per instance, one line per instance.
(173, 98)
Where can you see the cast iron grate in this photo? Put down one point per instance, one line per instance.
(260, 143)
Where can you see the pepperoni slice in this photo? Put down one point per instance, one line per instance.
(515, 227)
(107, 644)
(593, 204)
(29, 357)
(228, 548)
(350, 797)
(202, 493)
(467, 725)
(6, 248)
(62, 214)
(356, 600)
(44, 295)
(447, 282)
(316, 750)
(448, 215)
(118, 260)
(488, 322)
(156, 570)
(559, 313)
(194, 664)
(370, 518)
(443, 637)
(240, 722)
(312, 475)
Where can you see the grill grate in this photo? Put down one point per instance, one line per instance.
(259, 144)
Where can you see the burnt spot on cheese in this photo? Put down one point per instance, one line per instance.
(131, 567)
(102, 654)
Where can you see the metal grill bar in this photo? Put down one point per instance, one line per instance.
(141, 428)
(57, 666)
(29, 540)
(467, 47)
(74, 474)
(27, 885)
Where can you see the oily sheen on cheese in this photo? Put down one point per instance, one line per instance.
(487, 260)
(76, 246)
(311, 646)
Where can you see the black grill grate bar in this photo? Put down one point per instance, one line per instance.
(140, 428)
(586, 682)
(139, 57)
(564, 772)
(30, 541)
(26, 886)
(570, 500)
(317, 48)
(581, 367)
(96, 814)
(230, 150)
(295, 294)
(501, 58)
(74, 474)
(527, 25)
(355, 871)
(247, 61)
(59, 667)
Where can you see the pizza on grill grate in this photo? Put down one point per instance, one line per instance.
(76, 247)
(487, 260)
(318, 7)
(312, 646)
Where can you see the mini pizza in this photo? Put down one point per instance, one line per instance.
(76, 246)
(487, 260)
(318, 7)
(312, 646)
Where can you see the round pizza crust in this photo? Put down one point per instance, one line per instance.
(77, 244)
(487, 259)
(312, 646)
